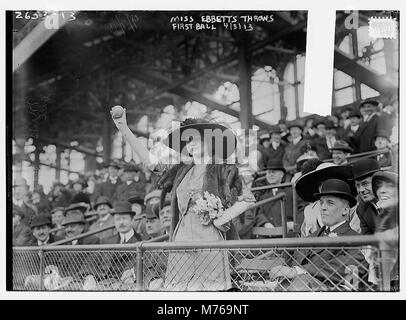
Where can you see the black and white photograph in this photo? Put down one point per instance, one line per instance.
(177, 151)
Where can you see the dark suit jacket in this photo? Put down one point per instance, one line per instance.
(113, 265)
(368, 217)
(271, 211)
(29, 213)
(352, 138)
(330, 264)
(294, 151)
(22, 236)
(271, 153)
(321, 147)
(125, 191)
(107, 188)
(52, 239)
(365, 136)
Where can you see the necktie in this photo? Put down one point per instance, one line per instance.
(122, 240)
(327, 231)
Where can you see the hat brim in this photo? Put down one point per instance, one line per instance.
(352, 200)
(123, 212)
(175, 142)
(383, 176)
(349, 150)
(32, 226)
(98, 204)
(308, 184)
(74, 222)
(276, 168)
(364, 175)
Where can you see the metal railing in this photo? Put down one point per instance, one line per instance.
(356, 263)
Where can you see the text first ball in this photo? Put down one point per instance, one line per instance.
(117, 112)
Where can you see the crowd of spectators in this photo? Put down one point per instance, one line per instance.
(308, 153)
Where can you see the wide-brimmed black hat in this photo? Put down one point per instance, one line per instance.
(274, 130)
(179, 137)
(136, 199)
(369, 101)
(295, 123)
(275, 164)
(123, 207)
(364, 168)
(308, 184)
(383, 176)
(355, 113)
(337, 188)
(319, 120)
(102, 200)
(342, 146)
(40, 220)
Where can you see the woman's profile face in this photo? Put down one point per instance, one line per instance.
(196, 148)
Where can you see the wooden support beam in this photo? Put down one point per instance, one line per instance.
(363, 73)
(244, 86)
(193, 94)
(37, 37)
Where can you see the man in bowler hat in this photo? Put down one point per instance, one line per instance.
(41, 227)
(104, 208)
(326, 269)
(367, 210)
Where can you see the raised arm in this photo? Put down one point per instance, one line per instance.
(120, 120)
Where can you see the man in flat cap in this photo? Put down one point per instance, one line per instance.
(108, 188)
(41, 226)
(326, 269)
(133, 185)
(372, 123)
(103, 208)
(294, 149)
(340, 152)
(139, 221)
(351, 131)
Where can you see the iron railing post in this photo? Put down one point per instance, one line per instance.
(283, 214)
(41, 269)
(140, 276)
(386, 264)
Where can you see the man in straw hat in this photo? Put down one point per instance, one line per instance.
(309, 184)
(340, 152)
(327, 269)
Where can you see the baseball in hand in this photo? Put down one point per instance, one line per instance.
(117, 112)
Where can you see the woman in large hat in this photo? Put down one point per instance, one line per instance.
(205, 146)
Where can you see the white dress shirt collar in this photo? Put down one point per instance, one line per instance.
(275, 145)
(41, 243)
(334, 227)
(296, 140)
(124, 237)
